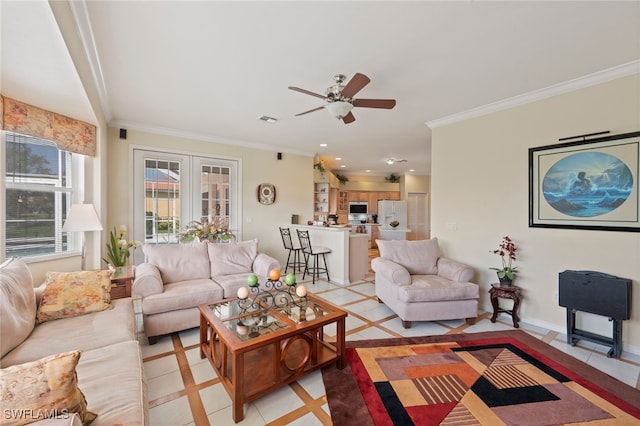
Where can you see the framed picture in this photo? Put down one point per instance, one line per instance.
(591, 184)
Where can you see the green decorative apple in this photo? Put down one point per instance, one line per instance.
(290, 279)
(252, 280)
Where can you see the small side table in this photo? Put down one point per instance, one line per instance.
(121, 281)
(506, 292)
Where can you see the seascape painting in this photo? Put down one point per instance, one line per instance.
(587, 184)
(591, 184)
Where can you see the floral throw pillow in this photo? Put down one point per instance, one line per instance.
(42, 389)
(70, 294)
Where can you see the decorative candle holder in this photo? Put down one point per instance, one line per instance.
(274, 295)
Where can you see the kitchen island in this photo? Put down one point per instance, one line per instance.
(349, 257)
(389, 233)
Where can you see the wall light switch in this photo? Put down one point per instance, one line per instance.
(451, 226)
(248, 220)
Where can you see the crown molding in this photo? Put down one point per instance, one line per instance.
(85, 32)
(166, 131)
(599, 77)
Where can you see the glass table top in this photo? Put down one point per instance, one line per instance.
(267, 313)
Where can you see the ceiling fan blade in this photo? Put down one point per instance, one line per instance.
(375, 103)
(349, 118)
(297, 89)
(357, 82)
(311, 110)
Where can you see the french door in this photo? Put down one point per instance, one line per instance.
(170, 190)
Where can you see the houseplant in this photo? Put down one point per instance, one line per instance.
(342, 178)
(393, 178)
(118, 248)
(507, 252)
(211, 229)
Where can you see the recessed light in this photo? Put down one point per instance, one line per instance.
(368, 171)
(389, 161)
(338, 158)
(268, 119)
(323, 145)
(412, 170)
(343, 166)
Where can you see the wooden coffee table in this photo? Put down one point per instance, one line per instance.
(258, 348)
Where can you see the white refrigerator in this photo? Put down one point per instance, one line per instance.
(389, 210)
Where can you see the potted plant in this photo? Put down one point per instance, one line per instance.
(507, 252)
(214, 229)
(118, 248)
(342, 178)
(393, 178)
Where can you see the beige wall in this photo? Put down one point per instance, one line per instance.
(292, 177)
(480, 184)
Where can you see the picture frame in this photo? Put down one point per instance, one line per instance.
(588, 184)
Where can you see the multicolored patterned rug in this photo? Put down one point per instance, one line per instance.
(491, 378)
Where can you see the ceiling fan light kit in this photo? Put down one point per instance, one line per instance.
(340, 99)
(339, 109)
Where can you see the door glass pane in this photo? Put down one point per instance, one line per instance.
(214, 192)
(162, 201)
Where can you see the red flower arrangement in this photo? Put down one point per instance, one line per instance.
(507, 252)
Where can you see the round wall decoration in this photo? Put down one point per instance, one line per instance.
(266, 193)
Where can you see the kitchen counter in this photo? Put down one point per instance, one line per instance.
(348, 251)
(389, 233)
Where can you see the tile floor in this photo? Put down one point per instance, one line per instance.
(184, 389)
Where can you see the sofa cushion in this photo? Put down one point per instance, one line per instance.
(418, 257)
(70, 294)
(112, 379)
(433, 288)
(17, 304)
(232, 258)
(85, 332)
(179, 262)
(181, 295)
(44, 388)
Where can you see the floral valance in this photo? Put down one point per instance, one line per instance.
(68, 133)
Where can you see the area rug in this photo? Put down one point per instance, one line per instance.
(489, 378)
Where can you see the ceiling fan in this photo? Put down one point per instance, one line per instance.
(340, 99)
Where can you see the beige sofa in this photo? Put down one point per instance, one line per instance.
(417, 283)
(109, 371)
(176, 278)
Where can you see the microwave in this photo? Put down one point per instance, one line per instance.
(358, 207)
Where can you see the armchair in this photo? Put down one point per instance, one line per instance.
(418, 284)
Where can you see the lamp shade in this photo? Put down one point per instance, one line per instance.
(339, 109)
(82, 217)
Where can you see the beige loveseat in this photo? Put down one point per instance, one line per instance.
(176, 278)
(417, 283)
(109, 370)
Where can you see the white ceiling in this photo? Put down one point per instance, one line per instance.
(210, 69)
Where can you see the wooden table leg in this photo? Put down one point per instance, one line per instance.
(340, 344)
(203, 335)
(237, 373)
(514, 312)
(494, 303)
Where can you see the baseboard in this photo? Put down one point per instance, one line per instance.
(630, 349)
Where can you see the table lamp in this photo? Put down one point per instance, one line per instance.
(81, 218)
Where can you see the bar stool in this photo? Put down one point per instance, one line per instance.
(316, 252)
(294, 248)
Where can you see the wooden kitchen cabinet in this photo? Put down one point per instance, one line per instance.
(343, 202)
(358, 195)
(373, 202)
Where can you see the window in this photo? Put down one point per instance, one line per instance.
(38, 192)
